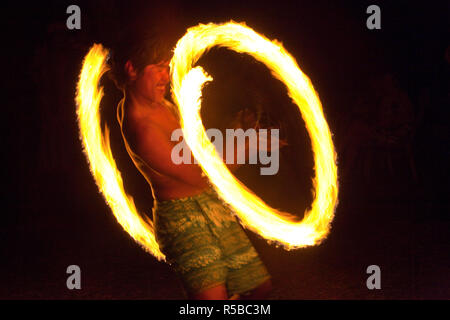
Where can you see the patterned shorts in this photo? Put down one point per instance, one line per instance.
(206, 245)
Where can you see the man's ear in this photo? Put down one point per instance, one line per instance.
(130, 70)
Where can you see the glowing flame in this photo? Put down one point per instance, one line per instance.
(254, 214)
(187, 84)
(98, 152)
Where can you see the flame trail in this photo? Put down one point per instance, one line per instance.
(253, 213)
(186, 86)
(98, 152)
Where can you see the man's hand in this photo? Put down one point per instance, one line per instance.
(249, 119)
(266, 143)
(245, 119)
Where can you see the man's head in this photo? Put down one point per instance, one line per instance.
(140, 62)
(150, 83)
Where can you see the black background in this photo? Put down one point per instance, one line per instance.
(54, 216)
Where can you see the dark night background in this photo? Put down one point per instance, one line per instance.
(385, 95)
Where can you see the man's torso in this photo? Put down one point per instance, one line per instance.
(163, 186)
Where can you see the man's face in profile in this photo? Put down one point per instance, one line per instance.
(152, 81)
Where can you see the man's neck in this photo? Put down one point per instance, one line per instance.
(137, 101)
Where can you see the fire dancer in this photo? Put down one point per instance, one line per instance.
(196, 231)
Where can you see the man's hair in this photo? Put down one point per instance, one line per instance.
(142, 46)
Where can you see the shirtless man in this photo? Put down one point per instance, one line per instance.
(197, 233)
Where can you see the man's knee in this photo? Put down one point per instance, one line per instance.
(215, 293)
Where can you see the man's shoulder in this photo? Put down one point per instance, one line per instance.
(129, 115)
(134, 124)
(140, 121)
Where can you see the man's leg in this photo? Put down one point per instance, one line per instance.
(216, 293)
(220, 293)
(246, 272)
(247, 275)
(260, 292)
(185, 238)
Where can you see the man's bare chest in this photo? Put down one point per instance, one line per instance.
(162, 118)
(166, 121)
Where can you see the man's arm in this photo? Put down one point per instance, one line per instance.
(154, 147)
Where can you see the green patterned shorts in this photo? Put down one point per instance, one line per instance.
(206, 245)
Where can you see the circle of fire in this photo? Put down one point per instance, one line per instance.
(187, 83)
(253, 213)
